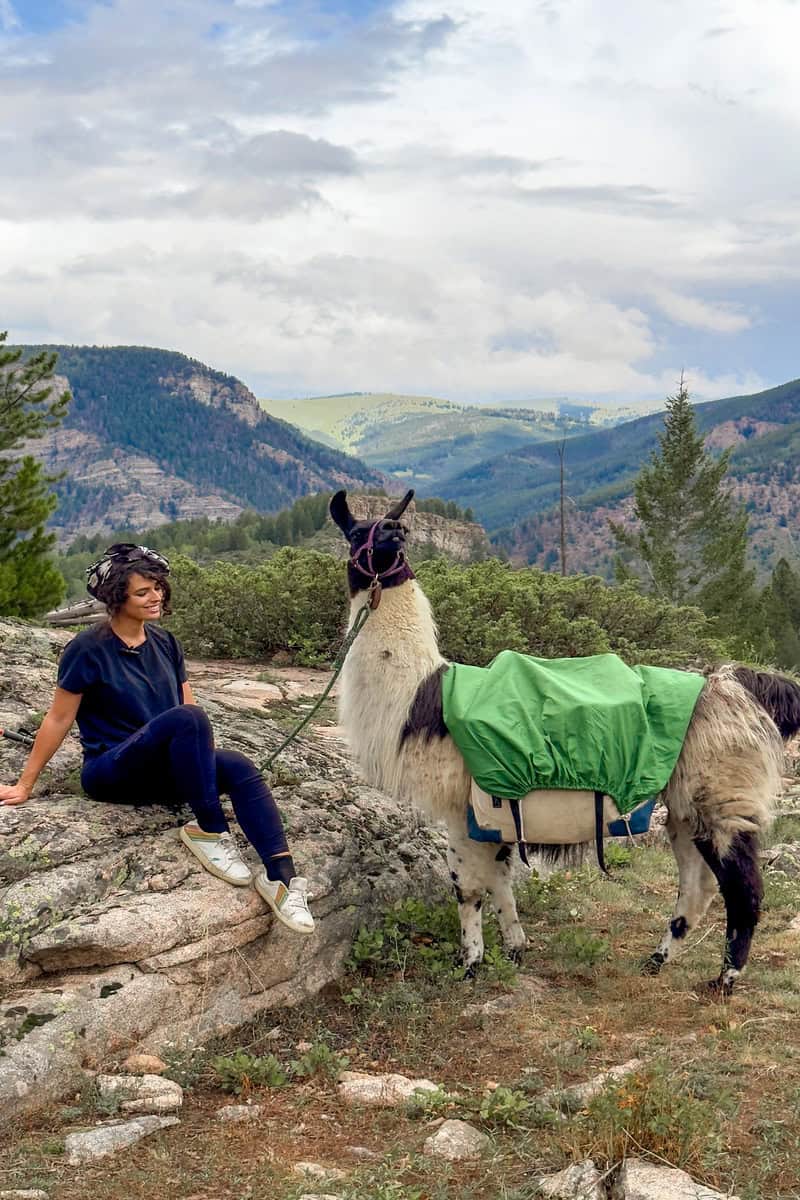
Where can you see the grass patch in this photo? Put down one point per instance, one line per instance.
(719, 1092)
(656, 1112)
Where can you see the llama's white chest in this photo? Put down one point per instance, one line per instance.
(390, 657)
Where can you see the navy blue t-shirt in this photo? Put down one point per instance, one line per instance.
(121, 690)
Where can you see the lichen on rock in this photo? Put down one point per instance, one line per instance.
(113, 940)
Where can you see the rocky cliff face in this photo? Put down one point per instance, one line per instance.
(112, 938)
(124, 489)
(212, 392)
(463, 541)
(152, 436)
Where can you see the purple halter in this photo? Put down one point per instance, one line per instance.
(368, 548)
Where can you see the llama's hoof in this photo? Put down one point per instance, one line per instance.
(715, 989)
(471, 970)
(515, 954)
(653, 963)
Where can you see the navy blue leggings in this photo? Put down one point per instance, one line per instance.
(172, 758)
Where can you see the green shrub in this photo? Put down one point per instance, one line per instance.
(415, 937)
(296, 601)
(656, 1111)
(577, 950)
(617, 855)
(424, 1105)
(505, 1107)
(319, 1059)
(486, 607)
(240, 1072)
(412, 935)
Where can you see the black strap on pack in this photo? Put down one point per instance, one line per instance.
(516, 814)
(599, 830)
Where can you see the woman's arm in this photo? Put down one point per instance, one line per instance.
(52, 731)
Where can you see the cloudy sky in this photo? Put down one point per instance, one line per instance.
(465, 198)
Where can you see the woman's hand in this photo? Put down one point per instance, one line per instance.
(17, 793)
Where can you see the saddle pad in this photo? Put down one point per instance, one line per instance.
(592, 724)
(551, 818)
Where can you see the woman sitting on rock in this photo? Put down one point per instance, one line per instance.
(144, 736)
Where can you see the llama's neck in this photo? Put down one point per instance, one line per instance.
(395, 650)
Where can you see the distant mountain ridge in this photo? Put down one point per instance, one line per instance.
(153, 435)
(515, 494)
(422, 439)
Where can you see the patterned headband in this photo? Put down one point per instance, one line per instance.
(118, 555)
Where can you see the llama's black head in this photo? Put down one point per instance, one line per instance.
(377, 548)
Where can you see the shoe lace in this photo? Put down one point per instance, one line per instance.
(298, 896)
(231, 847)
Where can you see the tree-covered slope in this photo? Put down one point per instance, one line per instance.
(600, 466)
(421, 438)
(145, 418)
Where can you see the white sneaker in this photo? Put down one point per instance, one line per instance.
(218, 853)
(290, 904)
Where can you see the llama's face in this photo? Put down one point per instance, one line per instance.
(387, 539)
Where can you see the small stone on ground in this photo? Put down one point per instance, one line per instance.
(580, 1181)
(456, 1140)
(24, 1194)
(640, 1180)
(142, 1093)
(525, 995)
(96, 1143)
(317, 1171)
(239, 1112)
(579, 1096)
(383, 1091)
(144, 1064)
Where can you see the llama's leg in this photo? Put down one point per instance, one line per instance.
(475, 870)
(739, 878)
(504, 904)
(469, 890)
(697, 886)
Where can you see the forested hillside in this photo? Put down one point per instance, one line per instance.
(515, 494)
(421, 438)
(152, 435)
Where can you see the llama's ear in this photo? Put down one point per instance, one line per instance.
(341, 514)
(394, 514)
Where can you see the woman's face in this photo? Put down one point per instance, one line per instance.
(144, 599)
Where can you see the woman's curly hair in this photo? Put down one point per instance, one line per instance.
(114, 590)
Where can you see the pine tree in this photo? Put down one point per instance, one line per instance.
(29, 583)
(690, 543)
(782, 608)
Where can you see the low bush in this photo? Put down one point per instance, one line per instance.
(297, 602)
(241, 1072)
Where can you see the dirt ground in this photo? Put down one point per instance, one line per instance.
(717, 1091)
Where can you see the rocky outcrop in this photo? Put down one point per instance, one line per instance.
(114, 940)
(153, 436)
(217, 393)
(463, 541)
(139, 487)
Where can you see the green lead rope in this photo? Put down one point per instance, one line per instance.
(338, 663)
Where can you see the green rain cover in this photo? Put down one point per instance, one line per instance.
(593, 724)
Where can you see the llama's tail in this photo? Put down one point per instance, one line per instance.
(778, 694)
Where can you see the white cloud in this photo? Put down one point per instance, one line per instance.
(688, 310)
(8, 17)
(470, 199)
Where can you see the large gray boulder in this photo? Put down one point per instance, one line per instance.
(112, 937)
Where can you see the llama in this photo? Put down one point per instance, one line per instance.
(719, 796)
